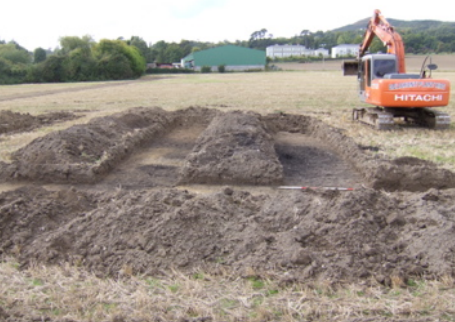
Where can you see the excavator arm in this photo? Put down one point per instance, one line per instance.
(378, 26)
(381, 28)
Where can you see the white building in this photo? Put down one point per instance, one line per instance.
(281, 51)
(345, 50)
(321, 51)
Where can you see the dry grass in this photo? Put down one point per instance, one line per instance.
(324, 94)
(71, 293)
(413, 64)
(9, 90)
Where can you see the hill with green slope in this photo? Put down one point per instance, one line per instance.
(414, 25)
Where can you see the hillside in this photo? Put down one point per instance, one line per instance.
(414, 25)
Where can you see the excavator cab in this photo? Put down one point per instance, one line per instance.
(375, 66)
(380, 65)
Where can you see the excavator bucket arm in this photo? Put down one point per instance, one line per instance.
(350, 67)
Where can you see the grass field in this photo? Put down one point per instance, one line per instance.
(316, 90)
(70, 293)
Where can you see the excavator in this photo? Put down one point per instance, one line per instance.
(398, 97)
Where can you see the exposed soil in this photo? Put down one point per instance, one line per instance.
(151, 190)
(235, 148)
(11, 122)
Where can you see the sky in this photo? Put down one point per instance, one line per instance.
(41, 23)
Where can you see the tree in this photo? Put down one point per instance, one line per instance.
(129, 59)
(258, 34)
(186, 47)
(262, 33)
(77, 62)
(305, 34)
(173, 53)
(15, 55)
(71, 43)
(158, 50)
(141, 45)
(114, 66)
(52, 69)
(254, 36)
(259, 40)
(80, 65)
(14, 61)
(18, 47)
(39, 55)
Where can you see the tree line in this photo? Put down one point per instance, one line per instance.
(83, 59)
(418, 38)
(77, 59)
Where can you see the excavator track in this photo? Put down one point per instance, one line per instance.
(435, 119)
(374, 116)
(384, 119)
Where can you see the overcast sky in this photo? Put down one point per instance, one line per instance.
(40, 23)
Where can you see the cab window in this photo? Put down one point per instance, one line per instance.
(382, 67)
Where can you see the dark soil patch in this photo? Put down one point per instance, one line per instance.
(309, 162)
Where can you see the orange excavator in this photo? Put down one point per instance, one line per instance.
(397, 95)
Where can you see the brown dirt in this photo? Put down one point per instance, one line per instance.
(234, 139)
(120, 203)
(11, 122)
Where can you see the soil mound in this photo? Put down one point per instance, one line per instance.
(329, 235)
(81, 152)
(366, 233)
(392, 175)
(28, 212)
(235, 148)
(11, 122)
(84, 153)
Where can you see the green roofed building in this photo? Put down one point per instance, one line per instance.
(233, 58)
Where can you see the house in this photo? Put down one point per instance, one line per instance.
(344, 50)
(280, 51)
(233, 58)
(321, 52)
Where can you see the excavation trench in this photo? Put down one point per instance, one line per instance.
(205, 146)
(122, 199)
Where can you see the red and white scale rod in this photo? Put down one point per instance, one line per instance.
(315, 188)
